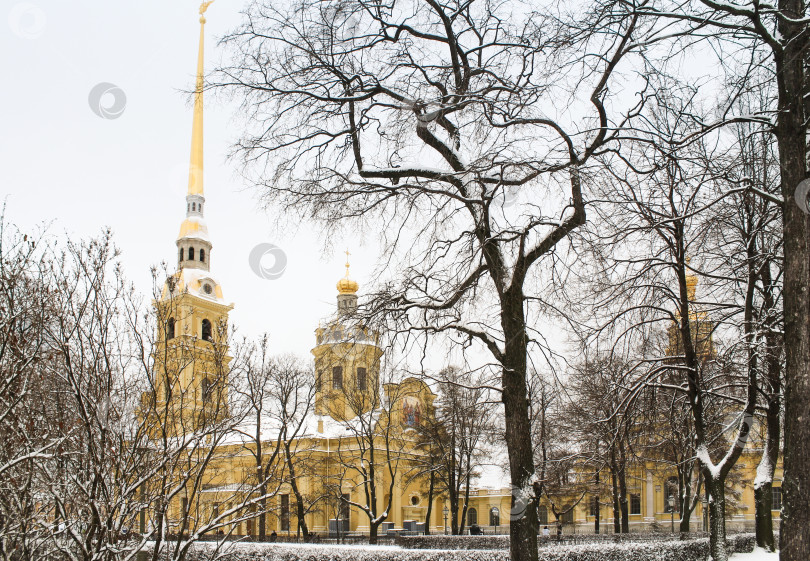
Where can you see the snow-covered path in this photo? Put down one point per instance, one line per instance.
(756, 555)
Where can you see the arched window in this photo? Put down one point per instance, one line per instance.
(191, 254)
(337, 377)
(472, 517)
(194, 206)
(206, 330)
(170, 329)
(494, 516)
(202, 256)
(181, 254)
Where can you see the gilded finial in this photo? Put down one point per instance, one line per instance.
(347, 262)
(203, 8)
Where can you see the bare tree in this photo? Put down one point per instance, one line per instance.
(293, 399)
(371, 457)
(601, 414)
(431, 118)
(254, 385)
(756, 43)
(655, 215)
(458, 436)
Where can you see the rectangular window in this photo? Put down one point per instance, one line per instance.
(362, 380)
(337, 377)
(215, 511)
(777, 498)
(542, 516)
(184, 507)
(284, 515)
(568, 516)
(635, 504)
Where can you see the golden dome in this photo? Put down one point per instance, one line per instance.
(347, 285)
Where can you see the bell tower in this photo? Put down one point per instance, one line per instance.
(191, 352)
(347, 359)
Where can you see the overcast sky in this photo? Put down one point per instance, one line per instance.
(63, 164)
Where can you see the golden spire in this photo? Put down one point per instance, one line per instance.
(195, 173)
(346, 285)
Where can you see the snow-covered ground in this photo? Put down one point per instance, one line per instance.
(757, 555)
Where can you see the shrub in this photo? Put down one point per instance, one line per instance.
(668, 550)
(453, 542)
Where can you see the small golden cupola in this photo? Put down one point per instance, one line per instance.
(347, 292)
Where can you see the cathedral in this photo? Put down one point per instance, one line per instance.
(349, 480)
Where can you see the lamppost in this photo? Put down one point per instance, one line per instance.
(671, 502)
(445, 511)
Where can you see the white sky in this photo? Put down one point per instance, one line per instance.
(61, 163)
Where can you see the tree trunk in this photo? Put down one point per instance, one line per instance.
(466, 498)
(299, 499)
(525, 489)
(763, 486)
(685, 494)
(717, 518)
(431, 490)
(791, 138)
(763, 503)
(617, 524)
(263, 515)
(622, 477)
(372, 533)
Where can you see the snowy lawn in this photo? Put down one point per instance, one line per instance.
(757, 555)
